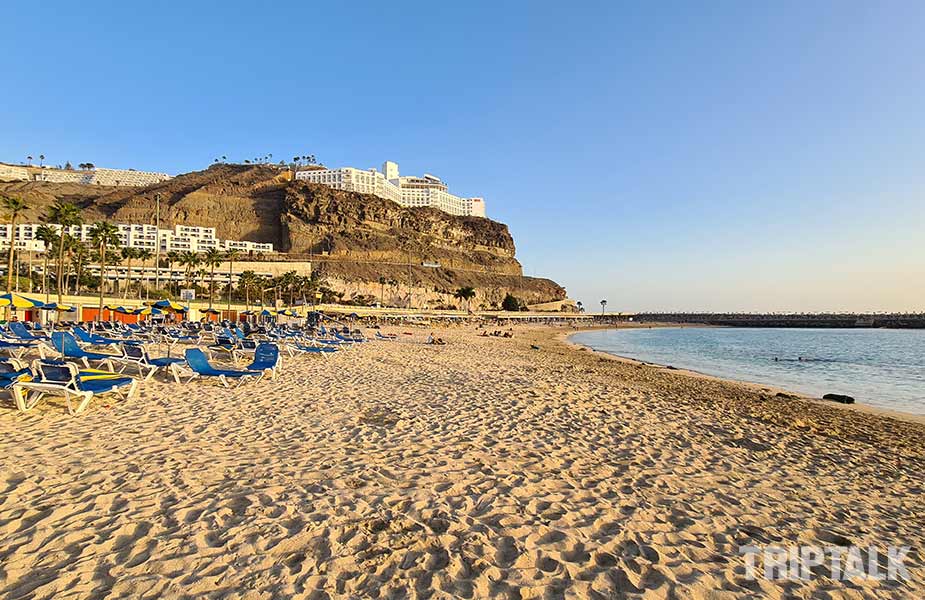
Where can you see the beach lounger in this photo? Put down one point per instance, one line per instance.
(136, 354)
(223, 344)
(19, 349)
(266, 358)
(310, 348)
(94, 339)
(199, 366)
(77, 386)
(244, 348)
(66, 345)
(11, 371)
(18, 330)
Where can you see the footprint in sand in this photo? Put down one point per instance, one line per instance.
(506, 552)
(438, 560)
(577, 554)
(547, 563)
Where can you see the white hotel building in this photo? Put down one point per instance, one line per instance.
(179, 239)
(95, 176)
(388, 184)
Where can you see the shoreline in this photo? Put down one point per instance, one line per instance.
(752, 385)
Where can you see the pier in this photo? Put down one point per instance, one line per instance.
(826, 320)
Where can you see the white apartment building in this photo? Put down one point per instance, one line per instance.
(349, 179)
(389, 184)
(97, 176)
(131, 235)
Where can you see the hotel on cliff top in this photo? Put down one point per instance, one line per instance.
(410, 192)
(407, 191)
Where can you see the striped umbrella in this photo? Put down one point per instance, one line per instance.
(17, 301)
(169, 305)
(58, 307)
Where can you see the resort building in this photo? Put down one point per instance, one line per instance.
(349, 179)
(182, 238)
(95, 176)
(390, 185)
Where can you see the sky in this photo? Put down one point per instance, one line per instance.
(727, 155)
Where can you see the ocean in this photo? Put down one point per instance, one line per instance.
(878, 367)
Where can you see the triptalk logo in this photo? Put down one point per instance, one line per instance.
(835, 562)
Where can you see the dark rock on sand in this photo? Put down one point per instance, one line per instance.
(839, 398)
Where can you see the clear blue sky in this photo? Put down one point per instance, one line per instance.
(722, 155)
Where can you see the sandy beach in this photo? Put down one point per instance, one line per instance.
(485, 468)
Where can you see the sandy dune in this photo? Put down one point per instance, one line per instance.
(480, 469)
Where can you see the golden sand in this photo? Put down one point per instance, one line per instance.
(484, 468)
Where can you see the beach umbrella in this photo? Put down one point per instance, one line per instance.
(248, 313)
(17, 301)
(265, 313)
(149, 310)
(167, 304)
(58, 307)
(124, 310)
(212, 311)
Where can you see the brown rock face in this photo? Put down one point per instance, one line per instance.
(357, 238)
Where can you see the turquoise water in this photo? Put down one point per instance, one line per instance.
(879, 367)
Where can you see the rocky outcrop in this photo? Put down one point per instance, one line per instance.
(357, 239)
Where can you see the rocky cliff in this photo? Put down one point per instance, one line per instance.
(358, 239)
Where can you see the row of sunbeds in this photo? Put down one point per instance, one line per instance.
(79, 364)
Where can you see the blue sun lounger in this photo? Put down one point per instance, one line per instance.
(19, 330)
(198, 363)
(11, 371)
(18, 349)
(57, 378)
(94, 339)
(300, 347)
(266, 358)
(136, 354)
(66, 344)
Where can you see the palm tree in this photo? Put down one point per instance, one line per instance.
(13, 207)
(173, 257)
(102, 235)
(128, 254)
(212, 258)
(465, 294)
(287, 282)
(230, 255)
(41, 160)
(144, 255)
(79, 260)
(581, 307)
(71, 246)
(46, 234)
(248, 281)
(190, 260)
(603, 305)
(65, 215)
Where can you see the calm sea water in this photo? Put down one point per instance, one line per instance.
(879, 367)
